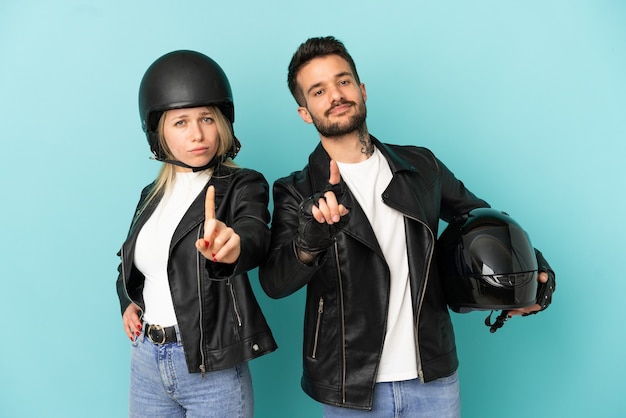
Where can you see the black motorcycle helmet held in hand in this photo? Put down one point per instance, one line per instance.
(183, 79)
(487, 262)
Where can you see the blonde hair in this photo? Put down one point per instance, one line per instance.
(167, 174)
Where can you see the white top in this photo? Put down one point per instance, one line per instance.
(367, 181)
(153, 245)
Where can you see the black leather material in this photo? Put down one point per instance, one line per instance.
(219, 318)
(347, 287)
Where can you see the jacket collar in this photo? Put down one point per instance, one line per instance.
(319, 162)
(194, 215)
(396, 195)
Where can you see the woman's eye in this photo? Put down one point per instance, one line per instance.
(207, 120)
(179, 123)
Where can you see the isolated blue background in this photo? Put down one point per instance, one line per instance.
(524, 100)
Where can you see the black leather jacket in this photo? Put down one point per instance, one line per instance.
(220, 321)
(348, 286)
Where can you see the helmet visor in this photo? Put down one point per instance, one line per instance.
(500, 266)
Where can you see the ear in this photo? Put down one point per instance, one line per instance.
(363, 92)
(304, 114)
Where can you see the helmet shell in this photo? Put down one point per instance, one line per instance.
(177, 80)
(487, 262)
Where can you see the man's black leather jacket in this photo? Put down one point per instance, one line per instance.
(348, 285)
(220, 321)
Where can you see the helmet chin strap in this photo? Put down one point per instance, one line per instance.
(210, 164)
(498, 323)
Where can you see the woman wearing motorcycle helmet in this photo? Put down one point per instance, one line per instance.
(186, 301)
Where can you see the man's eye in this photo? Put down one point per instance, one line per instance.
(344, 82)
(318, 92)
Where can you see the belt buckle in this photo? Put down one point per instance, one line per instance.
(156, 328)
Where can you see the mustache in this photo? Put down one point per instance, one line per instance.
(340, 103)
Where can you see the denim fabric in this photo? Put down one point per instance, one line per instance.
(409, 399)
(161, 386)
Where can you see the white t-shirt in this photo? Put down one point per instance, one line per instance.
(367, 181)
(153, 245)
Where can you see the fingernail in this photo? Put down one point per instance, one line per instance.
(207, 243)
(132, 339)
(138, 333)
(214, 260)
(138, 326)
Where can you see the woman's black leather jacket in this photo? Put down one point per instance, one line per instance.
(348, 285)
(220, 321)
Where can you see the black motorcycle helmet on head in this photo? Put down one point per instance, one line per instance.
(182, 79)
(487, 262)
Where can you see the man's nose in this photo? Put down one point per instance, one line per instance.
(336, 94)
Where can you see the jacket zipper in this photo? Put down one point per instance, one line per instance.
(343, 327)
(201, 321)
(420, 369)
(232, 295)
(320, 310)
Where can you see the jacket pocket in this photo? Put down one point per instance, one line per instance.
(318, 323)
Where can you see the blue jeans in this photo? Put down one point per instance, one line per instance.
(161, 385)
(409, 399)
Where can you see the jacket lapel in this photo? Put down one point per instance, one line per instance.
(358, 226)
(194, 216)
(403, 192)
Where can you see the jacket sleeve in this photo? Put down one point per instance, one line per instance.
(456, 199)
(247, 214)
(283, 273)
(545, 290)
(120, 285)
(121, 293)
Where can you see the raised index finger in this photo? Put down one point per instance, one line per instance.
(335, 176)
(209, 203)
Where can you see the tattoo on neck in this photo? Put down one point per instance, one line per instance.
(367, 147)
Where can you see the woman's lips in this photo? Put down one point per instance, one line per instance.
(199, 150)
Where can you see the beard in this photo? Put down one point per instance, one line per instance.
(336, 129)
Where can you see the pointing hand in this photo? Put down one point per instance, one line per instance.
(220, 242)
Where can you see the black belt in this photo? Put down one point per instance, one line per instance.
(159, 335)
